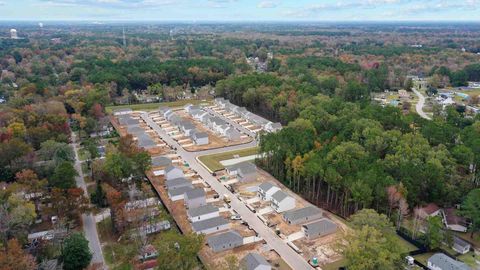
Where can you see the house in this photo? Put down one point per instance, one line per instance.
(272, 127)
(202, 212)
(177, 183)
(199, 138)
(178, 193)
(197, 114)
(245, 171)
(302, 215)
(440, 261)
(403, 93)
(144, 141)
(254, 261)
(190, 107)
(461, 246)
(282, 202)
(211, 225)
(139, 204)
(156, 227)
(163, 111)
(186, 127)
(205, 118)
(172, 172)
(319, 228)
(122, 111)
(148, 252)
(219, 100)
(135, 130)
(453, 221)
(161, 161)
(128, 121)
(232, 134)
(195, 198)
(429, 210)
(266, 190)
(225, 241)
(217, 124)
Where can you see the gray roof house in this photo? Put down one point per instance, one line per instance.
(245, 171)
(266, 190)
(461, 246)
(282, 202)
(440, 261)
(202, 212)
(302, 215)
(128, 121)
(232, 134)
(172, 172)
(178, 193)
(254, 261)
(134, 130)
(272, 127)
(211, 225)
(205, 118)
(122, 111)
(187, 127)
(145, 141)
(199, 138)
(319, 228)
(177, 183)
(195, 198)
(161, 161)
(225, 241)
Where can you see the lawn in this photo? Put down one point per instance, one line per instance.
(407, 246)
(154, 106)
(334, 265)
(213, 161)
(83, 154)
(422, 258)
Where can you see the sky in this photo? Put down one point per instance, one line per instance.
(241, 10)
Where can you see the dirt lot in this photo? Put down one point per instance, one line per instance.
(324, 248)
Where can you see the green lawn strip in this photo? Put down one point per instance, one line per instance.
(213, 161)
(334, 265)
(422, 258)
(154, 106)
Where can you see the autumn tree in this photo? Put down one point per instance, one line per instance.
(13, 257)
(76, 253)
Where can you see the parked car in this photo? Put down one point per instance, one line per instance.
(236, 217)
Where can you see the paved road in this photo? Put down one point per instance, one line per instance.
(293, 259)
(231, 122)
(420, 103)
(89, 225)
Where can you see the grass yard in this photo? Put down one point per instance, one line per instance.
(422, 258)
(83, 154)
(470, 259)
(334, 265)
(154, 106)
(407, 246)
(213, 161)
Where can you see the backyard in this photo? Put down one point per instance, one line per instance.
(154, 106)
(213, 161)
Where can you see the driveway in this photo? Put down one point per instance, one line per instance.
(420, 104)
(293, 259)
(89, 224)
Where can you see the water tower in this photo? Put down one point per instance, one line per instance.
(13, 34)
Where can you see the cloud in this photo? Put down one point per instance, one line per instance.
(268, 4)
(2, 3)
(122, 4)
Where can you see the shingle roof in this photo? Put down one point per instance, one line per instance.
(209, 223)
(202, 210)
(135, 129)
(320, 226)
(253, 260)
(179, 191)
(195, 193)
(218, 121)
(446, 263)
(221, 239)
(457, 241)
(279, 196)
(161, 161)
(171, 168)
(145, 141)
(245, 167)
(266, 186)
(452, 218)
(301, 213)
(177, 183)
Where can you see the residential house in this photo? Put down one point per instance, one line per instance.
(202, 212)
(122, 111)
(282, 202)
(232, 134)
(128, 121)
(195, 198)
(440, 261)
(245, 171)
(163, 111)
(319, 228)
(461, 246)
(186, 127)
(197, 114)
(145, 141)
(148, 252)
(254, 261)
(172, 172)
(200, 138)
(211, 225)
(302, 215)
(453, 221)
(225, 241)
(135, 130)
(161, 161)
(156, 227)
(272, 127)
(216, 122)
(205, 119)
(429, 210)
(177, 183)
(179, 193)
(266, 190)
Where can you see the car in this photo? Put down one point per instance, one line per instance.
(236, 217)
(216, 196)
(214, 174)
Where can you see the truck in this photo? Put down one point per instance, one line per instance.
(226, 198)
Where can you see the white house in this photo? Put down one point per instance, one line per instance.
(232, 134)
(461, 246)
(172, 172)
(200, 138)
(440, 261)
(254, 261)
(195, 198)
(122, 111)
(266, 190)
(178, 193)
(282, 202)
(211, 225)
(203, 212)
(453, 221)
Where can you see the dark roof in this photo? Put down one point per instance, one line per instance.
(430, 208)
(202, 210)
(446, 263)
(171, 168)
(200, 135)
(302, 213)
(229, 237)
(279, 196)
(178, 182)
(266, 186)
(459, 242)
(179, 191)
(452, 218)
(253, 260)
(195, 193)
(245, 167)
(161, 161)
(320, 226)
(209, 223)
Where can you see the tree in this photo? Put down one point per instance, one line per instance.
(434, 233)
(13, 257)
(57, 151)
(99, 196)
(63, 176)
(70, 203)
(178, 251)
(471, 210)
(76, 253)
(16, 214)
